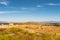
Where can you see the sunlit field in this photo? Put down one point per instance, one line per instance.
(30, 31)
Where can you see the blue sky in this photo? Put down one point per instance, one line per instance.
(29, 10)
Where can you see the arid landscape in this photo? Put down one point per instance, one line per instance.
(30, 31)
(29, 19)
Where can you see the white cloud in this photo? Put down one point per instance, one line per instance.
(38, 6)
(23, 8)
(53, 4)
(1, 12)
(4, 3)
(7, 12)
(28, 9)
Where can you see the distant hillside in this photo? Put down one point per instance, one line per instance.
(29, 23)
(45, 22)
(51, 22)
(32, 23)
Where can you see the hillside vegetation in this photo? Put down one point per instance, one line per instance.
(28, 31)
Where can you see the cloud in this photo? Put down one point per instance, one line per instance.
(7, 12)
(4, 3)
(53, 4)
(38, 6)
(28, 9)
(1, 12)
(24, 8)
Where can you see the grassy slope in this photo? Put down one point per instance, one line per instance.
(20, 34)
